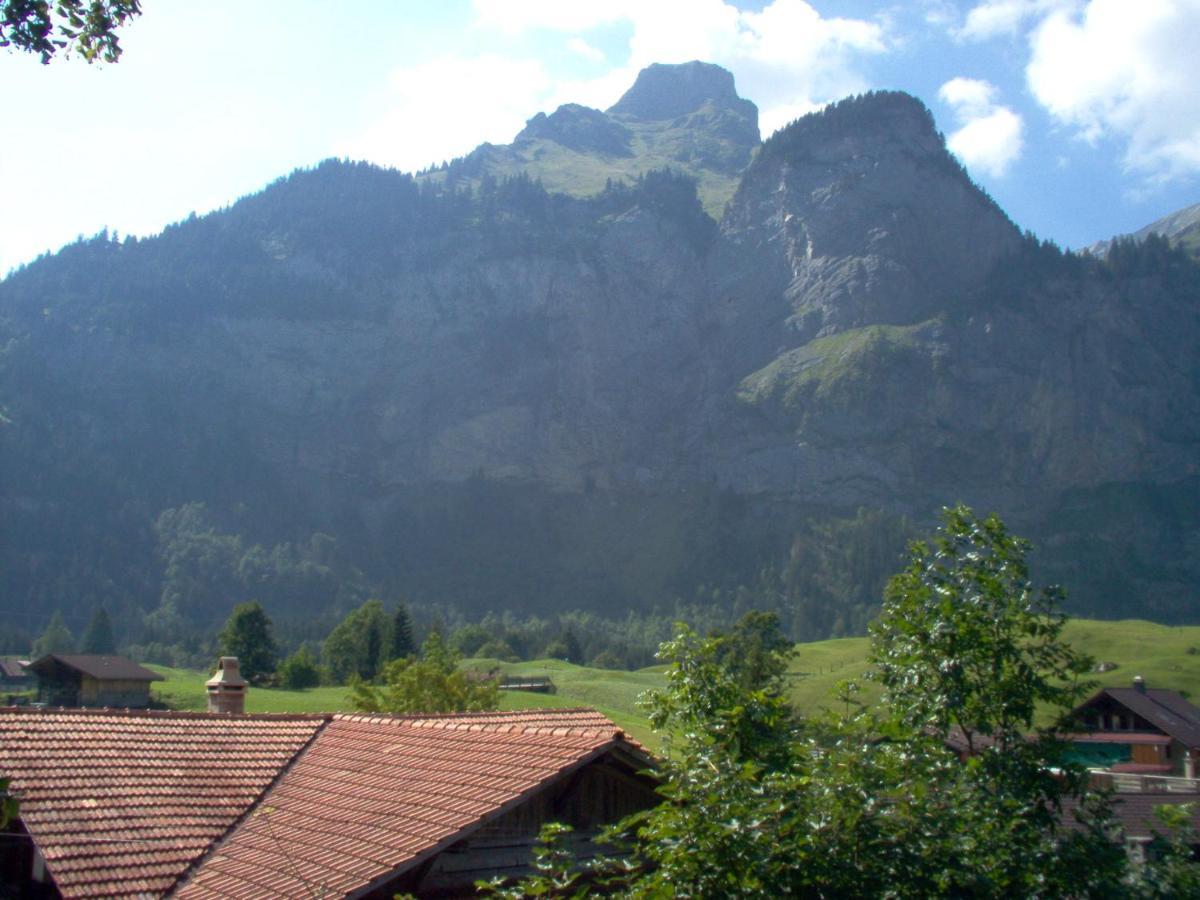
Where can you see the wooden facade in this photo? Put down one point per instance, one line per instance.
(599, 793)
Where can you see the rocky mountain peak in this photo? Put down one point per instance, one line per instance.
(881, 222)
(580, 128)
(670, 91)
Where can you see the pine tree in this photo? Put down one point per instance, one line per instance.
(402, 634)
(98, 636)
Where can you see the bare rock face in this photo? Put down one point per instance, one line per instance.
(878, 223)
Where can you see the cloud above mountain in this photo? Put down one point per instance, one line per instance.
(1110, 70)
(787, 57)
(989, 137)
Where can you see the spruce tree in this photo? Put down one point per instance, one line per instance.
(98, 636)
(402, 634)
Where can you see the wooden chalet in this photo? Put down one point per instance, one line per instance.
(129, 803)
(1139, 730)
(91, 681)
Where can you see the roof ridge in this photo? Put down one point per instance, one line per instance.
(126, 712)
(486, 719)
(250, 810)
(473, 714)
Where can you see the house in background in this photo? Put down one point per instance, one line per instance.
(96, 681)
(148, 803)
(14, 675)
(1138, 730)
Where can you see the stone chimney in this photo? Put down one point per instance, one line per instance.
(227, 688)
(1139, 684)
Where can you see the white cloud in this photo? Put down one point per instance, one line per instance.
(446, 107)
(998, 18)
(787, 57)
(990, 136)
(1128, 70)
(580, 47)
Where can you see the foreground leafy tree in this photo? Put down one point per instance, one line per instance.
(247, 635)
(86, 27)
(876, 801)
(963, 641)
(431, 684)
(8, 804)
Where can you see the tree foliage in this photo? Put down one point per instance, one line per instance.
(247, 635)
(875, 801)
(299, 671)
(8, 804)
(57, 638)
(402, 642)
(431, 684)
(86, 27)
(355, 647)
(98, 636)
(964, 641)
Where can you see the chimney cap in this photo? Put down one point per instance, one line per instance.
(228, 674)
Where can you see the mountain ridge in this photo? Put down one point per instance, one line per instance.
(494, 395)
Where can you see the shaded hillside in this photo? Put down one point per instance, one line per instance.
(464, 388)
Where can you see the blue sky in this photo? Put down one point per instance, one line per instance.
(1081, 117)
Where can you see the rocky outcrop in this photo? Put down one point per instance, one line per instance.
(581, 129)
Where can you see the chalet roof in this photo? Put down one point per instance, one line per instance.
(130, 802)
(375, 796)
(11, 667)
(1166, 710)
(115, 668)
(120, 803)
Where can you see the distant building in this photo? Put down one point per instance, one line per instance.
(81, 681)
(1138, 730)
(14, 676)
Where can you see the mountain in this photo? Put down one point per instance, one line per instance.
(1181, 227)
(686, 117)
(474, 388)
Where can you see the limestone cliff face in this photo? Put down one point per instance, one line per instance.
(510, 398)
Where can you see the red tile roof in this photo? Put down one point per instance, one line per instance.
(375, 795)
(123, 803)
(120, 803)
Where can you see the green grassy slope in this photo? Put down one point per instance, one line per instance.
(614, 693)
(1166, 656)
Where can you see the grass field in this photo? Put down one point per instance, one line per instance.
(1166, 656)
(613, 693)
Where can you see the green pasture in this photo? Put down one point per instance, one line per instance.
(1166, 656)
